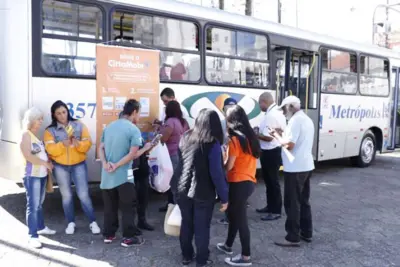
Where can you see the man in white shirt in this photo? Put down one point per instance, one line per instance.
(271, 156)
(298, 164)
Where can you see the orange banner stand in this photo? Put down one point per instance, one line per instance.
(124, 73)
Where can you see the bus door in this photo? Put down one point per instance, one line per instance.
(395, 113)
(299, 73)
(280, 55)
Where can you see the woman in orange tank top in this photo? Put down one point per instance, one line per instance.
(243, 151)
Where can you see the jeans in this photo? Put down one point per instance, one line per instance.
(270, 164)
(78, 174)
(35, 194)
(239, 193)
(122, 197)
(297, 205)
(174, 180)
(196, 220)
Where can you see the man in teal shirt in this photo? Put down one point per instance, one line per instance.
(119, 146)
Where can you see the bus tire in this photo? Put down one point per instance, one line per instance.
(367, 151)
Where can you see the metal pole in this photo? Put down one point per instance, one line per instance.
(279, 11)
(387, 19)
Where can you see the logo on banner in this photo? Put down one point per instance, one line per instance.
(217, 99)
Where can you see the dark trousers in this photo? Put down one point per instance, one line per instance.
(196, 220)
(297, 205)
(122, 197)
(270, 164)
(239, 193)
(142, 192)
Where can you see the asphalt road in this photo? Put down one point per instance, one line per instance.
(356, 216)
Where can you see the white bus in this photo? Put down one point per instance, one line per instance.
(47, 53)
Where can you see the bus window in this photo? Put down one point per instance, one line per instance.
(339, 72)
(221, 41)
(228, 71)
(236, 58)
(374, 76)
(176, 40)
(69, 37)
(251, 45)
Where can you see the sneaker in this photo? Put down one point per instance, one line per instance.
(109, 239)
(35, 243)
(208, 263)
(94, 228)
(186, 262)
(46, 231)
(70, 230)
(238, 261)
(223, 221)
(222, 247)
(134, 241)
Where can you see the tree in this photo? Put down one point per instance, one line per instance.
(248, 8)
(221, 4)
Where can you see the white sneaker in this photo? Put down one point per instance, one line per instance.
(70, 230)
(94, 228)
(35, 243)
(46, 231)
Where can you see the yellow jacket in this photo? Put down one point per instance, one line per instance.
(53, 137)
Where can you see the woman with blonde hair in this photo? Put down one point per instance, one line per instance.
(36, 170)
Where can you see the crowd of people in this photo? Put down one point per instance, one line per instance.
(212, 160)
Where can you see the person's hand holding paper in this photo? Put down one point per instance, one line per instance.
(277, 134)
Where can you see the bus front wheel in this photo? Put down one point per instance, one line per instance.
(367, 151)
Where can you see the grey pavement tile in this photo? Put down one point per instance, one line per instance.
(348, 244)
(373, 262)
(317, 255)
(271, 264)
(344, 262)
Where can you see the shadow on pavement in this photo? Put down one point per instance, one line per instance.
(37, 253)
(81, 244)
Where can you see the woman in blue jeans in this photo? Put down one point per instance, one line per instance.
(172, 130)
(201, 176)
(37, 166)
(67, 143)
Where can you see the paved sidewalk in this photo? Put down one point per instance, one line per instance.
(356, 217)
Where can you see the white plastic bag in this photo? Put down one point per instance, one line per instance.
(170, 229)
(161, 169)
(175, 218)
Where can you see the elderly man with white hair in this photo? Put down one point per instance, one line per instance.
(298, 164)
